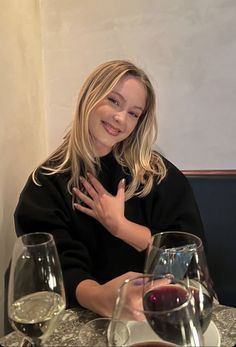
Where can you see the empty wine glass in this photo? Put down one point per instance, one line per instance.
(157, 312)
(182, 255)
(36, 296)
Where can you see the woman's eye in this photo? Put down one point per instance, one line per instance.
(133, 114)
(113, 100)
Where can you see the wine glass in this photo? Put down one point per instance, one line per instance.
(158, 313)
(182, 255)
(95, 333)
(36, 296)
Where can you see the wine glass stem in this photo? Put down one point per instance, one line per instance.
(26, 342)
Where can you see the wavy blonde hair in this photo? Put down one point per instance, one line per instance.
(76, 155)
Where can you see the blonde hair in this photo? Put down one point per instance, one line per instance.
(76, 155)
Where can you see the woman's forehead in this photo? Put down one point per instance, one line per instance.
(132, 90)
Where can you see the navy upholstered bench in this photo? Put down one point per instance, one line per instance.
(215, 192)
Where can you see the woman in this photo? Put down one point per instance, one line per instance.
(104, 191)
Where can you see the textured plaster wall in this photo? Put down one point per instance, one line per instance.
(22, 130)
(187, 46)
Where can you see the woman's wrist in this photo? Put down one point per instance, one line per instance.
(136, 235)
(90, 295)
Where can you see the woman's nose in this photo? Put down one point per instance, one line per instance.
(120, 117)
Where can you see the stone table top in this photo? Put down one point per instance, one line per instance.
(67, 332)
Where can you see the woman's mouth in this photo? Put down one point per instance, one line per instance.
(110, 129)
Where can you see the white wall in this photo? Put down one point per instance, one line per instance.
(22, 131)
(187, 46)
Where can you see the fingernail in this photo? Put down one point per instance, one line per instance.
(123, 181)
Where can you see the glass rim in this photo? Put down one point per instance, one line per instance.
(26, 243)
(199, 243)
(175, 309)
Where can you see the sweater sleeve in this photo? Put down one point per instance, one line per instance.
(48, 208)
(174, 207)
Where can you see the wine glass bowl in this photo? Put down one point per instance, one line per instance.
(157, 312)
(182, 255)
(36, 296)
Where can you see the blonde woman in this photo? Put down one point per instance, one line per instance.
(104, 191)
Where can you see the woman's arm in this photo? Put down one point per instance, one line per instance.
(134, 234)
(172, 205)
(101, 298)
(47, 207)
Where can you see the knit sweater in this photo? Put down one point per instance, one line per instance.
(86, 249)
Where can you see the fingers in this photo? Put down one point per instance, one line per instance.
(85, 198)
(96, 184)
(132, 274)
(121, 189)
(85, 210)
(89, 188)
(100, 204)
(95, 188)
(162, 281)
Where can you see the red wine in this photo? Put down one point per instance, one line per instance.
(152, 344)
(169, 325)
(165, 298)
(169, 297)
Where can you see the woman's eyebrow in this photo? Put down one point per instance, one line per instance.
(122, 97)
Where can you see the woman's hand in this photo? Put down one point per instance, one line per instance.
(101, 298)
(109, 211)
(101, 205)
(131, 304)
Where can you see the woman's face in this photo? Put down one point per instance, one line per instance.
(114, 118)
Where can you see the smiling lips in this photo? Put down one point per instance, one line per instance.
(110, 129)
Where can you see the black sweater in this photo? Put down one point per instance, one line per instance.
(86, 249)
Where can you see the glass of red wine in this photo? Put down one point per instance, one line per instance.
(182, 255)
(158, 312)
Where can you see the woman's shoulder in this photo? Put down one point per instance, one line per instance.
(41, 180)
(173, 174)
(172, 168)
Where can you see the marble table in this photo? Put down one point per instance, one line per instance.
(67, 332)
